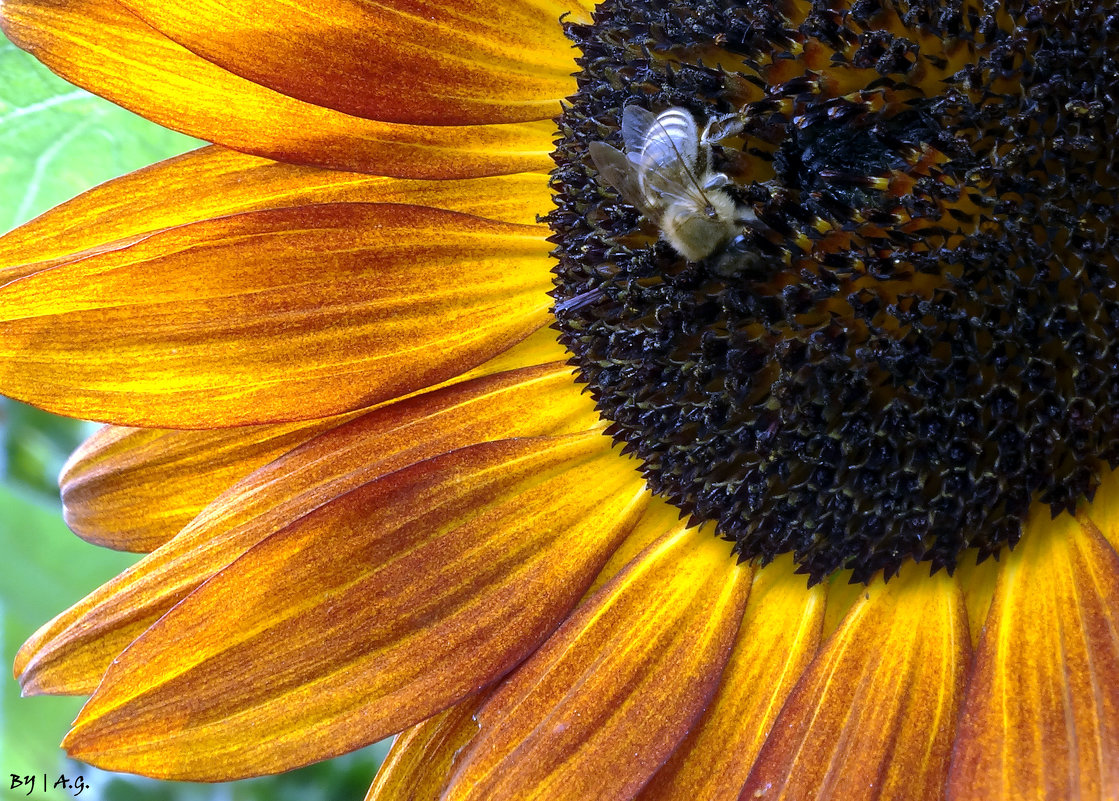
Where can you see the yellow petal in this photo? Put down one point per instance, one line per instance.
(539, 348)
(100, 46)
(370, 614)
(874, 715)
(778, 638)
(216, 182)
(442, 62)
(133, 488)
(272, 316)
(659, 519)
(978, 583)
(1041, 719)
(69, 654)
(600, 706)
(1104, 508)
(421, 759)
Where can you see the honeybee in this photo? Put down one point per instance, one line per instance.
(666, 174)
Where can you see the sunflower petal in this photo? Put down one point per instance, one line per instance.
(216, 182)
(441, 62)
(1104, 508)
(69, 654)
(1041, 719)
(272, 316)
(370, 614)
(874, 715)
(778, 638)
(659, 519)
(133, 489)
(100, 46)
(421, 758)
(599, 707)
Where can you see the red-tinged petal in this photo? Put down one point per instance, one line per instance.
(779, 636)
(538, 348)
(421, 759)
(978, 583)
(272, 316)
(604, 701)
(660, 519)
(842, 597)
(132, 489)
(1041, 718)
(100, 46)
(874, 715)
(69, 654)
(216, 182)
(370, 614)
(1104, 508)
(439, 62)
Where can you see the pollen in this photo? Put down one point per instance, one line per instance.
(911, 338)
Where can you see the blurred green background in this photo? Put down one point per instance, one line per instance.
(55, 142)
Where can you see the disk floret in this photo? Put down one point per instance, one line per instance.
(904, 335)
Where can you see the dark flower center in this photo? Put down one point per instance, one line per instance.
(898, 325)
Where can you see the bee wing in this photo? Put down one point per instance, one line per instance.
(670, 183)
(636, 124)
(671, 138)
(618, 171)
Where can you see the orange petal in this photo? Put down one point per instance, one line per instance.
(272, 316)
(216, 182)
(1104, 508)
(659, 519)
(538, 348)
(604, 701)
(132, 489)
(421, 758)
(370, 614)
(1041, 718)
(100, 46)
(778, 638)
(978, 582)
(69, 654)
(874, 715)
(440, 62)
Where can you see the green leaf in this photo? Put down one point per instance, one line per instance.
(57, 140)
(46, 568)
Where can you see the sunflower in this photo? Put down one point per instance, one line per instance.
(656, 400)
